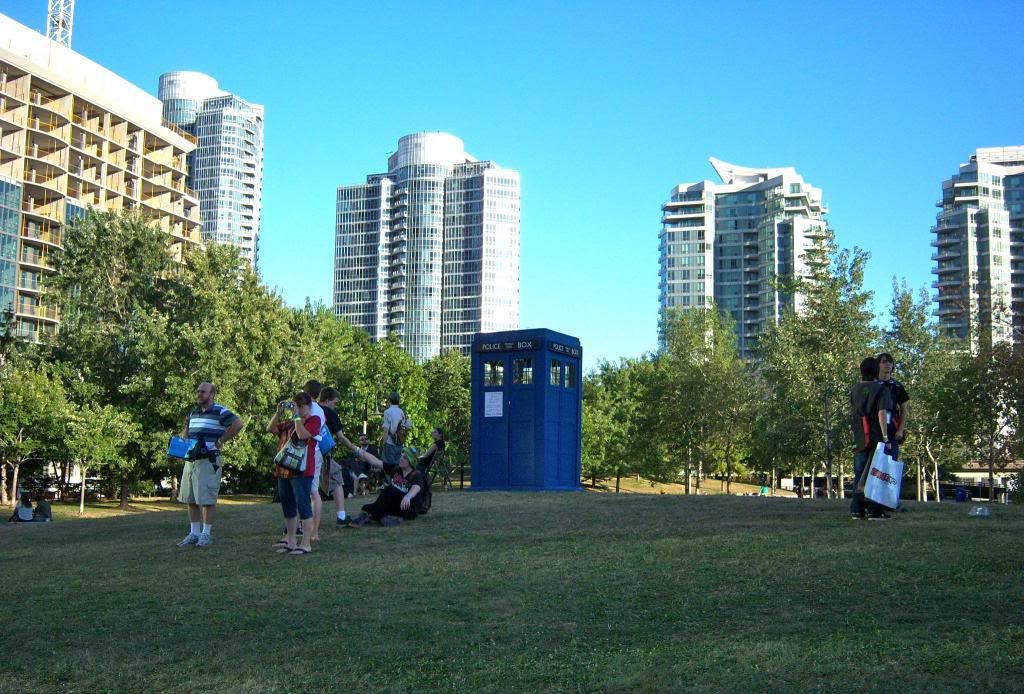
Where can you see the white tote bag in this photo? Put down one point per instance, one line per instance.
(884, 477)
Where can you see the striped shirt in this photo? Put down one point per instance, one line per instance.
(210, 424)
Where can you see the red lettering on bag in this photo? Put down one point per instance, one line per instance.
(884, 476)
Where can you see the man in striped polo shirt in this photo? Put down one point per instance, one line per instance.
(212, 425)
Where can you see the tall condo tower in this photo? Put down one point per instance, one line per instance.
(727, 242)
(226, 169)
(979, 247)
(429, 251)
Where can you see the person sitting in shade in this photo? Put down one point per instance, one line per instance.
(42, 512)
(23, 511)
(400, 498)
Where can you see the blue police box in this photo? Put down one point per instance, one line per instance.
(527, 412)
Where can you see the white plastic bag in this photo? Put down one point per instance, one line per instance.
(884, 477)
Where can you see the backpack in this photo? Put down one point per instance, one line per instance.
(401, 433)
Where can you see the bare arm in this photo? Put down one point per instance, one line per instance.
(231, 432)
(370, 458)
(904, 416)
(884, 425)
(300, 430)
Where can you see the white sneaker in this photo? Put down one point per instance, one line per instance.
(190, 539)
(204, 540)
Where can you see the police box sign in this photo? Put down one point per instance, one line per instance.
(567, 350)
(507, 345)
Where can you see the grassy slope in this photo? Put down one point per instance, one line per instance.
(526, 591)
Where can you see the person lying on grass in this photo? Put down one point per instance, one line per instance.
(399, 498)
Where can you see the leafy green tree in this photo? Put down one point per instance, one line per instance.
(387, 367)
(448, 401)
(31, 404)
(99, 435)
(812, 355)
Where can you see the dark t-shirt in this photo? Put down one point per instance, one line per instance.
(898, 395)
(867, 398)
(428, 460)
(406, 482)
(333, 420)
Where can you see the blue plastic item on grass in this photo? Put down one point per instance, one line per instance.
(962, 495)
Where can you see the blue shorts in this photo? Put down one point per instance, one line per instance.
(294, 493)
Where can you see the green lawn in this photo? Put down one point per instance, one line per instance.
(547, 592)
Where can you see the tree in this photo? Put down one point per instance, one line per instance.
(30, 402)
(812, 355)
(387, 367)
(448, 400)
(99, 436)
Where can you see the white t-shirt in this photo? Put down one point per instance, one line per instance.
(316, 411)
(393, 416)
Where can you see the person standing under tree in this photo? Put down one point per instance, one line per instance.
(212, 425)
(394, 421)
(900, 409)
(332, 477)
(869, 404)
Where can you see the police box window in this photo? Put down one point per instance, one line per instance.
(522, 371)
(570, 375)
(556, 372)
(494, 373)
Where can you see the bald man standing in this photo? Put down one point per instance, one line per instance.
(212, 425)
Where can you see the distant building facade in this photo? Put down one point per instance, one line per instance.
(226, 169)
(429, 251)
(75, 135)
(728, 241)
(979, 247)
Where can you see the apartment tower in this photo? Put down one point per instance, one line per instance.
(74, 135)
(728, 241)
(429, 251)
(979, 247)
(226, 168)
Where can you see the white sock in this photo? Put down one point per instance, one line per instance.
(194, 528)
(206, 528)
(341, 515)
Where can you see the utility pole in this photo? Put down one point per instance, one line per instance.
(60, 17)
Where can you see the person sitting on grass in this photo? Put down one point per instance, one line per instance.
(23, 512)
(400, 498)
(428, 458)
(293, 424)
(42, 512)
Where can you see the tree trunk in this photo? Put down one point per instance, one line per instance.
(3, 484)
(618, 480)
(728, 468)
(593, 480)
(991, 472)
(920, 485)
(772, 478)
(174, 485)
(124, 491)
(81, 494)
(14, 483)
(828, 447)
(935, 478)
(841, 483)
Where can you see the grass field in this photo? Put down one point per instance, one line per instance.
(502, 592)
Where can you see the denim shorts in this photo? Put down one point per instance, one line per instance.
(294, 493)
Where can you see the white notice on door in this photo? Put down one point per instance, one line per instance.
(492, 403)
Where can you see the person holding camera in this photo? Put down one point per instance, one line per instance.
(212, 425)
(400, 498)
(296, 427)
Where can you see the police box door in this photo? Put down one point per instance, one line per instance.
(493, 443)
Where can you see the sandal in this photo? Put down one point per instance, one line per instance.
(299, 551)
(285, 550)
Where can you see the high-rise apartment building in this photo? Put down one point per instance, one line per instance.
(979, 247)
(226, 169)
(75, 135)
(728, 241)
(429, 251)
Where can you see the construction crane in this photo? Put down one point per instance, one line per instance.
(60, 17)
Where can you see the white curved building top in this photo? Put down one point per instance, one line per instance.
(183, 84)
(440, 149)
(732, 173)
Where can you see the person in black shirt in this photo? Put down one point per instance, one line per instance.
(869, 405)
(427, 459)
(900, 406)
(332, 474)
(400, 497)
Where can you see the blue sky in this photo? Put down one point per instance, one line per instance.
(603, 108)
